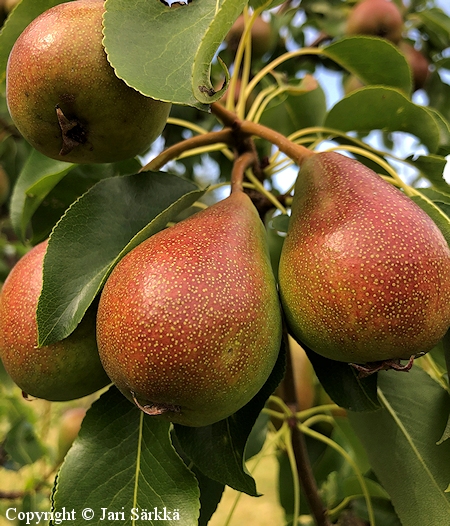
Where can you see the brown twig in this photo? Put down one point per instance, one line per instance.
(11, 495)
(296, 152)
(304, 469)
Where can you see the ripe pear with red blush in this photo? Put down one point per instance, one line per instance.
(364, 273)
(61, 371)
(189, 321)
(380, 18)
(64, 96)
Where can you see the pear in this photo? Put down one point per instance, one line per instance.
(364, 273)
(189, 321)
(61, 371)
(381, 18)
(64, 96)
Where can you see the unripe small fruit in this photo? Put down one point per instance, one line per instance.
(4, 185)
(262, 36)
(69, 428)
(381, 18)
(64, 370)
(417, 62)
(64, 96)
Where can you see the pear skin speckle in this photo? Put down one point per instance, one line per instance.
(64, 370)
(364, 273)
(190, 319)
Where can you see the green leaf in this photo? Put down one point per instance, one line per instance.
(108, 221)
(432, 168)
(210, 495)
(218, 450)
(38, 176)
(166, 52)
(22, 444)
(24, 13)
(123, 460)
(336, 489)
(387, 109)
(401, 442)
(437, 215)
(436, 196)
(436, 24)
(69, 189)
(444, 129)
(387, 65)
(343, 384)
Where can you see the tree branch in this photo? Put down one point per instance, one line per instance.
(296, 152)
(302, 461)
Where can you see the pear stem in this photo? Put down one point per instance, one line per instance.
(304, 469)
(205, 139)
(296, 152)
(241, 164)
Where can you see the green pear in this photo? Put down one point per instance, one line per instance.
(69, 427)
(189, 321)
(64, 370)
(364, 273)
(64, 96)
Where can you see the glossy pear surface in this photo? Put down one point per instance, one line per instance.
(189, 322)
(64, 96)
(64, 370)
(364, 273)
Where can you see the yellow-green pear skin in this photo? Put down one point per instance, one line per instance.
(189, 321)
(364, 273)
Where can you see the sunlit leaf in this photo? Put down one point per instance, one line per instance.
(387, 109)
(166, 52)
(387, 67)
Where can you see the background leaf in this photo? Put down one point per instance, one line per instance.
(404, 455)
(432, 168)
(384, 109)
(123, 459)
(390, 68)
(343, 385)
(114, 216)
(38, 169)
(436, 214)
(301, 106)
(22, 443)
